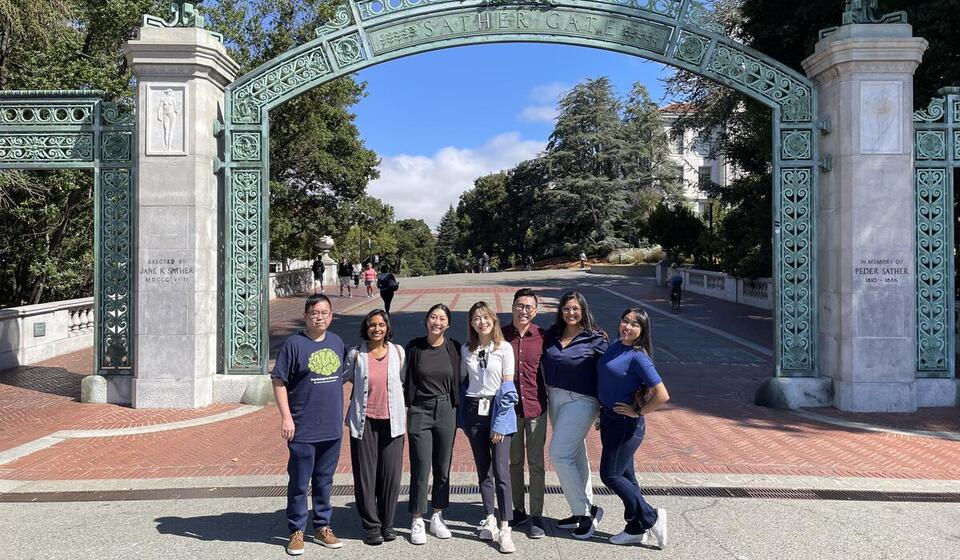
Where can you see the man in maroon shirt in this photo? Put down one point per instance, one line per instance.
(527, 341)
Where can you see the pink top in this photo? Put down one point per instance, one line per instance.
(369, 274)
(377, 407)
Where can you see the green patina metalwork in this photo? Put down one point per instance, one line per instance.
(362, 33)
(79, 130)
(184, 13)
(937, 153)
(865, 11)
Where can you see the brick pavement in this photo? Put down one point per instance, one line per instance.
(710, 425)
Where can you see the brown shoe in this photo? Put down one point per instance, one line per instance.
(325, 536)
(295, 546)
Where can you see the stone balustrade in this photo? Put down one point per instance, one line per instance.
(752, 292)
(293, 282)
(34, 333)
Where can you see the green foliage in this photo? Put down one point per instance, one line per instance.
(676, 229)
(415, 248)
(448, 237)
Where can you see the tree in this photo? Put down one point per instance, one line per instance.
(448, 237)
(415, 248)
(675, 229)
(481, 213)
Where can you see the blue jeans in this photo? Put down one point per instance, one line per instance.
(316, 463)
(621, 436)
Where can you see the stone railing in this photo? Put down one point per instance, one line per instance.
(755, 293)
(34, 333)
(292, 282)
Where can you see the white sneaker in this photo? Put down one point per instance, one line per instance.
(627, 538)
(659, 529)
(418, 533)
(489, 530)
(506, 541)
(438, 528)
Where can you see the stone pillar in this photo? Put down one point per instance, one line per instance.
(865, 219)
(181, 74)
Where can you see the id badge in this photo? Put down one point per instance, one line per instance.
(483, 407)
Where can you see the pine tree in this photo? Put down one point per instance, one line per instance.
(448, 237)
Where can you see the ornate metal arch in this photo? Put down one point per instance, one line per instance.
(681, 33)
(937, 155)
(79, 130)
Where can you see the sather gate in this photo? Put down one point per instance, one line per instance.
(681, 33)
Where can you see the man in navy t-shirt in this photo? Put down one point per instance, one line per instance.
(308, 388)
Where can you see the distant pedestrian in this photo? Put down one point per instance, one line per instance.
(388, 285)
(630, 389)
(357, 271)
(377, 419)
(318, 270)
(369, 277)
(344, 273)
(307, 385)
(583, 260)
(529, 262)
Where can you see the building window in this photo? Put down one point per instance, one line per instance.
(703, 177)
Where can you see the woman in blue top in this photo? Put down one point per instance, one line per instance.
(572, 347)
(625, 370)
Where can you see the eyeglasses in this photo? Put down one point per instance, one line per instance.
(524, 308)
(482, 358)
(630, 323)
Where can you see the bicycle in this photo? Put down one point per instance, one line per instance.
(675, 298)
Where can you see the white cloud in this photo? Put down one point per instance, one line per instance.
(424, 187)
(544, 107)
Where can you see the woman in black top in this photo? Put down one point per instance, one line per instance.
(432, 394)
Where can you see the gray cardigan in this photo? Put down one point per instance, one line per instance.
(356, 371)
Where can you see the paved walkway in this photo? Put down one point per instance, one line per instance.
(710, 426)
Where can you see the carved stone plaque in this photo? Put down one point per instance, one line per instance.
(166, 121)
(881, 117)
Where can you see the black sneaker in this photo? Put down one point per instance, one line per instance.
(373, 537)
(588, 523)
(389, 534)
(519, 518)
(571, 522)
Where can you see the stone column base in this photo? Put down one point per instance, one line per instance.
(876, 397)
(172, 393)
(106, 389)
(246, 389)
(794, 392)
(938, 392)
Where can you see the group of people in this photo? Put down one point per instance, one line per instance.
(499, 388)
(349, 276)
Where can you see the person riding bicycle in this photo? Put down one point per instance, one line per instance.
(675, 282)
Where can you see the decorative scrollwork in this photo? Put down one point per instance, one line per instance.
(46, 114)
(348, 50)
(865, 11)
(956, 145)
(796, 273)
(342, 17)
(246, 146)
(119, 113)
(701, 16)
(933, 113)
(373, 9)
(691, 48)
(796, 144)
(116, 266)
(933, 248)
(244, 284)
(36, 148)
(931, 145)
(794, 97)
(116, 147)
(250, 98)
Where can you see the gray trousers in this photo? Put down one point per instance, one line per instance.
(431, 428)
(493, 461)
(528, 443)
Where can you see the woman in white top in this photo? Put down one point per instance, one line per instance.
(488, 419)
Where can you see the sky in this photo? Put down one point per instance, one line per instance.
(442, 119)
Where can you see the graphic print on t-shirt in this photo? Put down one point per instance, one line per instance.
(324, 363)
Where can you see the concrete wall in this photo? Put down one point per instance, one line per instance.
(645, 270)
(34, 333)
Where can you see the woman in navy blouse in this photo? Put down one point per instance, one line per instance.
(572, 347)
(625, 370)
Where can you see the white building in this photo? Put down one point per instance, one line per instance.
(692, 161)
